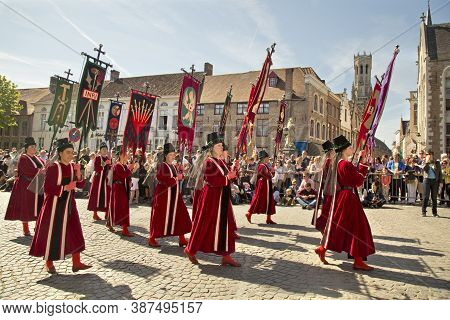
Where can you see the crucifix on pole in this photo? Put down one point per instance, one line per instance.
(146, 85)
(117, 96)
(68, 74)
(99, 51)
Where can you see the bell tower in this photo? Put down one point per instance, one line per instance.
(362, 86)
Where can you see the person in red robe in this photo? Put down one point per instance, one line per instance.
(25, 205)
(347, 228)
(262, 201)
(325, 189)
(58, 229)
(99, 193)
(213, 226)
(119, 207)
(169, 216)
(226, 160)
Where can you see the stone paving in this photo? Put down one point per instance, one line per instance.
(278, 262)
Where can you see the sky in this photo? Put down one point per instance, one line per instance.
(144, 37)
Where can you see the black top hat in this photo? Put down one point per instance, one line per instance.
(327, 146)
(212, 139)
(168, 148)
(262, 154)
(29, 141)
(341, 143)
(103, 145)
(63, 144)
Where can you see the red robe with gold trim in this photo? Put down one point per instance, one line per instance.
(213, 227)
(25, 205)
(169, 216)
(348, 228)
(262, 201)
(119, 207)
(99, 193)
(322, 218)
(58, 229)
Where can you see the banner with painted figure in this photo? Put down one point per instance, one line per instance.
(137, 128)
(61, 103)
(112, 126)
(187, 103)
(91, 85)
(280, 126)
(225, 112)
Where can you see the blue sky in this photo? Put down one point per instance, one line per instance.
(156, 36)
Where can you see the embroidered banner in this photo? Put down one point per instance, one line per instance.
(226, 111)
(112, 126)
(61, 103)
(280, 125)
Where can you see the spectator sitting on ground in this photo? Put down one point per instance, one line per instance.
(374, 197)
(306, 179)
(288, 199)
(276, 196)
(307, 197)
(235, 194)
(248, 192)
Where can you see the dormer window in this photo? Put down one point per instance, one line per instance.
(273, 79)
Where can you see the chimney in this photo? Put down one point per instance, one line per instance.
(288, 85)
(115, 75)
(208, 69)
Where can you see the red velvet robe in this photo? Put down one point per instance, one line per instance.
(322, 217)
(25, 205)
(348, 229)
(99, 193)
(213, 227)
(169, 216)
(58, 229)
(119, 208)
(262, 201)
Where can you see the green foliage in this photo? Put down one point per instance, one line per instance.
(9, 102)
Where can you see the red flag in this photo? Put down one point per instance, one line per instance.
(256, 96)
(187, 104)
(368, 115)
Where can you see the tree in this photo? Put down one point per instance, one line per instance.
(9, 102)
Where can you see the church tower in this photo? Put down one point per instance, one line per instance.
(362, 86)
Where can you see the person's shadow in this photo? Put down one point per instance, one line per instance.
(90, 285)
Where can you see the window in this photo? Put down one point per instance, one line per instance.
(262, 127)
(273, 81)
(315, 102)
(263, 108)
(15, 131)
(367, 69)
(162, 125)
(175, 122)
(218, 109)
(345, 115)
(311, 128)
(163, 104)
(241, 107)
(199, 128)
(7, 131)
(41, 143)
(323, 132)
(216, 126)
(321, 106)
(43, 121)
(100, 120)
(447, 94)
(361, 69)
(25, 128)
(239, 123)
(318, 130)
(200, 109)
(415, 113)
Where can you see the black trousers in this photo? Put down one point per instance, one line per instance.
(430, 186)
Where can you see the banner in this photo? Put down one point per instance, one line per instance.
(187, 103)
(385, 83)
(137, 128)
(61, 103)
(226, 111)
(280, 125)
(112, 126)
(368, 115)
(256, 96)
(89, 96)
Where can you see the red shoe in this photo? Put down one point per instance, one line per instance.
(125, 232)
(96, 217)
(49, 267)
(228, 261)
(359, 264)
(270, 221)
(77, 265)
(153, 243)
(26, 229)
(182, 242)
(320, 251)
(192, 258)
(249, 217)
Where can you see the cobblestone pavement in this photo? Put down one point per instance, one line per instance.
(278, 262)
